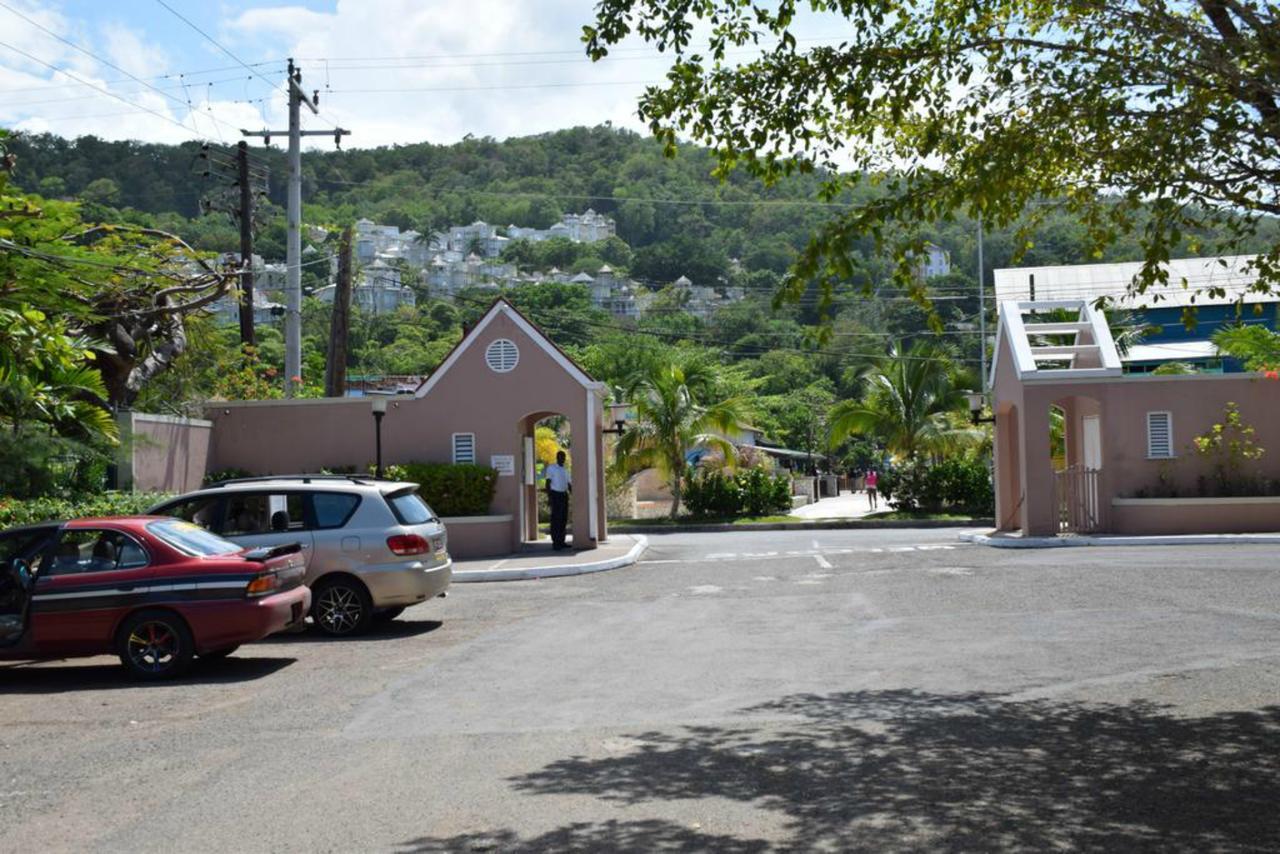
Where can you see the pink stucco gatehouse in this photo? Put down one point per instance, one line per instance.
(480, 406)
(1125, 462)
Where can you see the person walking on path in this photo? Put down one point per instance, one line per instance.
(871, 481)
(558, 488)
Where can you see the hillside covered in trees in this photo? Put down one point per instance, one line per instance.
(674, 217)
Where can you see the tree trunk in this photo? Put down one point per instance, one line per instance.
(677, 480)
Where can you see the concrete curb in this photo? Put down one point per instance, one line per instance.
(1084, 540)
(816, 525)
(468, 576)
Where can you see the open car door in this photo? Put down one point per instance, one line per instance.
(20, 549)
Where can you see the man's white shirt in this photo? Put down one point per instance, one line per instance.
(557, 477)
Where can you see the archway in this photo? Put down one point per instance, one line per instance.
(1076, 437)
(542, 434)
(1009, 488)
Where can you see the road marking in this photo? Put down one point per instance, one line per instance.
(765, 578)
(822, 561)
(759, 554)
(703, 589)
(720, 555)
(671, 560)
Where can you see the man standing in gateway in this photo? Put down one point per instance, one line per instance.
(559, 486)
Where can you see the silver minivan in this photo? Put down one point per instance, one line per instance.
(373, 547)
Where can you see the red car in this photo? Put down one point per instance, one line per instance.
(154, 590)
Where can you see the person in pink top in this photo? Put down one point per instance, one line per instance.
(871, 481)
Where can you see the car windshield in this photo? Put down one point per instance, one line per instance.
(410, 509)
(192, 539)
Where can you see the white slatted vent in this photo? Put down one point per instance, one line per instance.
(1159, 435)
(502, 355)
(464, 447)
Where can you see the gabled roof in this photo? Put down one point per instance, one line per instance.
(1088, 347)
(501, 307)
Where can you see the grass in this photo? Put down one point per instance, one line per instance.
(917, 514)
(666, 521)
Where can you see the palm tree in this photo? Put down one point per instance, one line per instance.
(909, 396)
(672, 415)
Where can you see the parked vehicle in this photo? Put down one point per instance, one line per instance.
(156, 591)
(372, 547)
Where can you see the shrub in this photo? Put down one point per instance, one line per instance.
(222, 475)
(752, 492)
(14, 512)
(959, 483)
(461, 489)
(712, 494)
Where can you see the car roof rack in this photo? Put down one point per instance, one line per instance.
(305, 478)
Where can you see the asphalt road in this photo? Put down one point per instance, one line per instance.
(753, 691)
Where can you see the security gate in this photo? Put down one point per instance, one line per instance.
(1076, 498)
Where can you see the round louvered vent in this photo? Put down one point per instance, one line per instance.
(502, 355)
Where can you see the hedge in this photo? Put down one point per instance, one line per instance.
(14, 512)
(751, 492)
(452, 489)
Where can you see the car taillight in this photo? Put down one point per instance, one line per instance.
(437, 543)
(263, 584)
(408, 544)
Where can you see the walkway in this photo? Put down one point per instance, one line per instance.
(847, 505)
(539, 561)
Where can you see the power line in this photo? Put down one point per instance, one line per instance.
(219, 46)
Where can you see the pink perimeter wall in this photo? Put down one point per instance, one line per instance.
(1024, 473)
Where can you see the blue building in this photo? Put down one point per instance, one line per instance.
(1218, 290)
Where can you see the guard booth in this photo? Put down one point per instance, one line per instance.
(482, 406)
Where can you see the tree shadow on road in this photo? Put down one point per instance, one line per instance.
(616, 837)
(891, 770)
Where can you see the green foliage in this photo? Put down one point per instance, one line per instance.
(906, 407)
(453, 489)
(223, 475)
(1255, 345)
(1227, 446)
(15, 512)
(749, 492)
(959, 484)
(1149, 118)
(677, 408)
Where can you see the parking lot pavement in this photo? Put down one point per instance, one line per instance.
(749, 691)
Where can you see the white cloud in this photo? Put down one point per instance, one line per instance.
(401, 71)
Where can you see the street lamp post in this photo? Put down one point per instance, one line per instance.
(379, 410)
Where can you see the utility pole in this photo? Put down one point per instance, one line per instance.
(982, 308)
(335, 379)
(246, 245)
(293, 258)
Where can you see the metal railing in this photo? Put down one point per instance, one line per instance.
(1076, 497)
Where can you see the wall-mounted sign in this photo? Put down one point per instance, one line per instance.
(503, 464)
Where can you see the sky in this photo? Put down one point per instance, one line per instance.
(391, 71)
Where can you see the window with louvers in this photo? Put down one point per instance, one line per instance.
(502, 355)
(1159, 435)
(464, 447)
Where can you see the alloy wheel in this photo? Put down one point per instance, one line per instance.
(154, 646)
(339, 609)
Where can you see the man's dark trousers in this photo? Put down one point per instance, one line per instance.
(559, 516)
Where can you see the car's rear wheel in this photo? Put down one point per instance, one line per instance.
(386, 615)
(155, 645)
(219, 653)
(341, 607)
